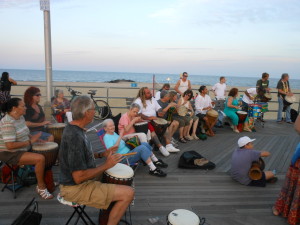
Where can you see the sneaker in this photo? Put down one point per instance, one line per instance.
(157, 172)
(171, 148)
(174, 142)
(160, 163)
(44, 193)
(164, 151)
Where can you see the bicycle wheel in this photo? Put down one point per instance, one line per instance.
(102, 110)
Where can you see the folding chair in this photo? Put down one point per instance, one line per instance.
(10, 183)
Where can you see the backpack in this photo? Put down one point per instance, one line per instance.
(27, 175)
(193, 160)
(294, 115)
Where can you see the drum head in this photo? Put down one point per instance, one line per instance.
(212, 113)
(268, 96)
(44, 146)
(120, 171)
(56, 125)
(241, 112)
(161, 121)
(183, 217)
(182, 110)
(141, 123)
(290, 99)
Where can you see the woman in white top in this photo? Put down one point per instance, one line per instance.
(183, 84)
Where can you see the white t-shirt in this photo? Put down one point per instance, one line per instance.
(202, 102)
(183, 86)
(157, 95)
(151, 109)
(219, 90)
(252, 93)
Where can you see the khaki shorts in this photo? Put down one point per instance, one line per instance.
(11, 157)
(91, 193)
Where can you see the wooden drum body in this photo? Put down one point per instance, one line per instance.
(160, 125)
(119, 174)
(212, 116)
(141, 127)
(182, 217)
(256, 170)
(242, 117)
(56, 130)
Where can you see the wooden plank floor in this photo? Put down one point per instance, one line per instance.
(211, 194)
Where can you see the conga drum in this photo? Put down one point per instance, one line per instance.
(212, 116)
(119, 174)
(141, 127)
(182, 217)
(50, 151)
(242, 117)
(254, 110)
(160, 125)
(56, 130)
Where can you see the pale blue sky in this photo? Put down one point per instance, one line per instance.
(206, 37)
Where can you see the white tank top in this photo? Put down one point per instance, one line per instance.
(183, 86)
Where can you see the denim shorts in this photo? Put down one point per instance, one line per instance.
(44, 135)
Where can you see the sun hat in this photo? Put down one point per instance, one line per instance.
(244, 140)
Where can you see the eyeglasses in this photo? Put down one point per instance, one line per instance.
(185, 75)
(38, 95)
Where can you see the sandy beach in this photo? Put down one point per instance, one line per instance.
(117, 93)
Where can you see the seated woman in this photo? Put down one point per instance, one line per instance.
(15, 141)
(127, 121)
(35, 116)
(193, 119)
(60, 105)
(231, 107)
(143, 151)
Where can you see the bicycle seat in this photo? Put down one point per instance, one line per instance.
(92, 92)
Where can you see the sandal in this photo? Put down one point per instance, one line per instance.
(275, 211)
(188, 138)
(44, 193)
(182, 140)
(195, 137)
(247, 129)
(236, 131)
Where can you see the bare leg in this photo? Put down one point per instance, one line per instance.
(269, 175)
(173, 127)
(189, 127)
(185, 130)
(195, 125)
(38, 161)
(181, 132)
(122, 197)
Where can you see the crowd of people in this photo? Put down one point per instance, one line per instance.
(163, 115)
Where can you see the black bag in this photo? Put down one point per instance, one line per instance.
(294, 115)
(27, 175)
(30, 215)
(193, 160)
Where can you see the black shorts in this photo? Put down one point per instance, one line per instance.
(259, 183)
(201, 116)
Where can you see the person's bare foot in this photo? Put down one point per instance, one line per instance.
(275, 211)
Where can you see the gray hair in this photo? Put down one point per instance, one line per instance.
(57, 92)
(164, 93)
(135, 105)
(105, 122)
(80, 105)
(284, 75)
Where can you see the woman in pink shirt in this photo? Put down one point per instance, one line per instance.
(127, 121)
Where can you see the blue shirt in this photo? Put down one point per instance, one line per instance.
(111, 140)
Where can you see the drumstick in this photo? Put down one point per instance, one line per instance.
(130, 153)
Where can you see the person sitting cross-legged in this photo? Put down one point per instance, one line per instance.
(111, 139)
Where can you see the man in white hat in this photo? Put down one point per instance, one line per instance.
(241, 162)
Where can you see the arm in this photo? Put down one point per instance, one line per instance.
(12, 81)
(265, 154)
(176, 88)
(31, 124)
(229, 103)
(16, 145)
(248, 95)
(297, 124)
(128, 126)
(189, 85)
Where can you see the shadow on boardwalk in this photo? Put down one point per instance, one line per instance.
(210, 194)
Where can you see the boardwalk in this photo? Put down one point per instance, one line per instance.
(210, 194)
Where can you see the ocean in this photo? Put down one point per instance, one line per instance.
(90, 76)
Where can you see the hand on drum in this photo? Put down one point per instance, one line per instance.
(136, 119)
(35, 138)
(113, 159)
(46, 122)
(290, 94)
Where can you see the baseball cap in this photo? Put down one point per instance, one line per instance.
(244, 140)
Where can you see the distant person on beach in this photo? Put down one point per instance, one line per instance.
(183, 84)
(203, 104)
(284, 90)
(165, 87)
(150, 109)
(35, 116)
(144, 150)
(60, 105)
(263, 83)
(16, 141)
(231, 107)
(219, 89)
(78, 170)
(5, 87)
(241, 162)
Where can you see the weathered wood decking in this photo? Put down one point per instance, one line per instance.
(210, 194)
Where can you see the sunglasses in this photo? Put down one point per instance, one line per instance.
(38, 95)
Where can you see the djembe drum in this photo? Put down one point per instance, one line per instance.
(182, 217)
(49, 150)
(160, 125)
(288, 100)
(119, 174)
(212, 116)
(141, 127)
(56, 130)
(242, 117)
(256, 170)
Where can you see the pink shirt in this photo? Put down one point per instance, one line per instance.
(124, 121)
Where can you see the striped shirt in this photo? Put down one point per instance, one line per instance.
(12, 130)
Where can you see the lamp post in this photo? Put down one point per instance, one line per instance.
(45, 7)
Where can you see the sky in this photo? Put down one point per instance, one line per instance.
(204, 37)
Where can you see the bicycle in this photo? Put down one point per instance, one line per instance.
(102, 109)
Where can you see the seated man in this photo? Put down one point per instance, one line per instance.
(203, 103)
(78, 168)
(248, 98)
(149, 108)
(165, 104)
(165, 87)
(241, 163)
(144, 150)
